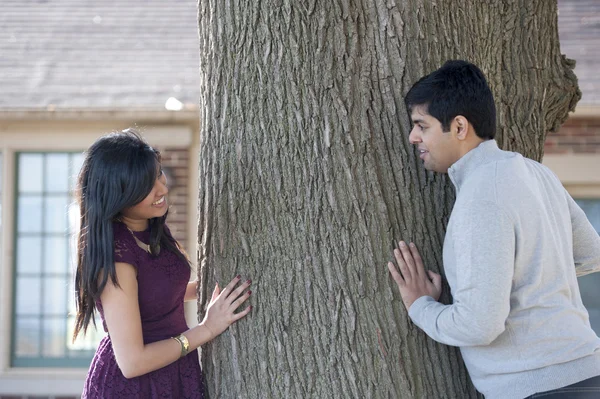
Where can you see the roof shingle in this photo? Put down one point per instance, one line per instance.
(579, 34)
(87, 54)
(138, 53)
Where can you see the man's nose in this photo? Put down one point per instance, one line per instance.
(414, 137)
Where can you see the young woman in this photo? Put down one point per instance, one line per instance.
(132, 270)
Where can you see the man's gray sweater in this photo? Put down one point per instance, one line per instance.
(515, 244)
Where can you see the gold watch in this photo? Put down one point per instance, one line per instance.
(185, 344)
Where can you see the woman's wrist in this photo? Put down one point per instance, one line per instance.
(210, 332)
(184, 343)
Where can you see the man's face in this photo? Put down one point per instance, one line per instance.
(437, 149)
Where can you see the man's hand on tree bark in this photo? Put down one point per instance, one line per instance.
(412, 280)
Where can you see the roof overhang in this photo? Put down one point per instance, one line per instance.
(187, 114)
(586, 112)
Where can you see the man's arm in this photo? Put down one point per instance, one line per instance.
(586, 241)
(483, 241)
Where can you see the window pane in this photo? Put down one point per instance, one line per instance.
(89, 341)
(588, 285)
(55, 296)
(1, 190)
(57, 173)
(74, 221)
(29, 255)
(55, 214)
(76, 162)
(1, 169)
(28, 295)
(27, 337)
(54, 337)
(55, 255)
(47, 220)
(30, 173)
(30, 214)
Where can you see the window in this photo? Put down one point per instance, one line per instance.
(588, 285)
(45, 233)
(1, 186)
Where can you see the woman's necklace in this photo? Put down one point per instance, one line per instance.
(143, 245)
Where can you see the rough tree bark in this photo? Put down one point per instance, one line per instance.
(307, 179)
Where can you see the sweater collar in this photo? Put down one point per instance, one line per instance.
(486, 151)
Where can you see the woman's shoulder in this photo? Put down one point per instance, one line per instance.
(124, 247)
(120, 233)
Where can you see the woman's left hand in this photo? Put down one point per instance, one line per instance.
(220, 313)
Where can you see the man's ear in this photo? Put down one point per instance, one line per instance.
(461, 124)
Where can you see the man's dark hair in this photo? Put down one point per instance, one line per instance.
(457, 88)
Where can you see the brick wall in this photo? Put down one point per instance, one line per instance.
(576, 136)
(175, 164)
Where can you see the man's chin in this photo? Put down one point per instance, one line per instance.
(433, 168)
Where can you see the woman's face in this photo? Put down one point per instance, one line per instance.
(154, 205)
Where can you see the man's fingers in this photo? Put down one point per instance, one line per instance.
(395, 275)
(418, 261)
(408, 258)
(436, 279)
(406, 274)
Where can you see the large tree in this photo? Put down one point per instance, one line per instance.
(307, 179)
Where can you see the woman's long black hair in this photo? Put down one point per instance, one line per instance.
(118, 172)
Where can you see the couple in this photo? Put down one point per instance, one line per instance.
(514, 245)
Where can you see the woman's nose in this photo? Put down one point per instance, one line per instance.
(162, 188)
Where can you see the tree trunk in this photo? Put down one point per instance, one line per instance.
(307, 180)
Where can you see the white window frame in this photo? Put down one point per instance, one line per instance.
(577, 172)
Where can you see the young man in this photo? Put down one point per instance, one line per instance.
(515, 244)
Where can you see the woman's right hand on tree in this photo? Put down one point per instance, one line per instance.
(220, 313)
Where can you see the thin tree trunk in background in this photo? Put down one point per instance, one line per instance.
(307, 179)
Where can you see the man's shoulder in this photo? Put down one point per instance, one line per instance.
(509, 170)
(497, 181)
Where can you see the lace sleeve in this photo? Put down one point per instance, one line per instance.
(123, 253)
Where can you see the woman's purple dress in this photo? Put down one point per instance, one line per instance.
(161, 287)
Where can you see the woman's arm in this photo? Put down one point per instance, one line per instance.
(191, 291)
(122, 315)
